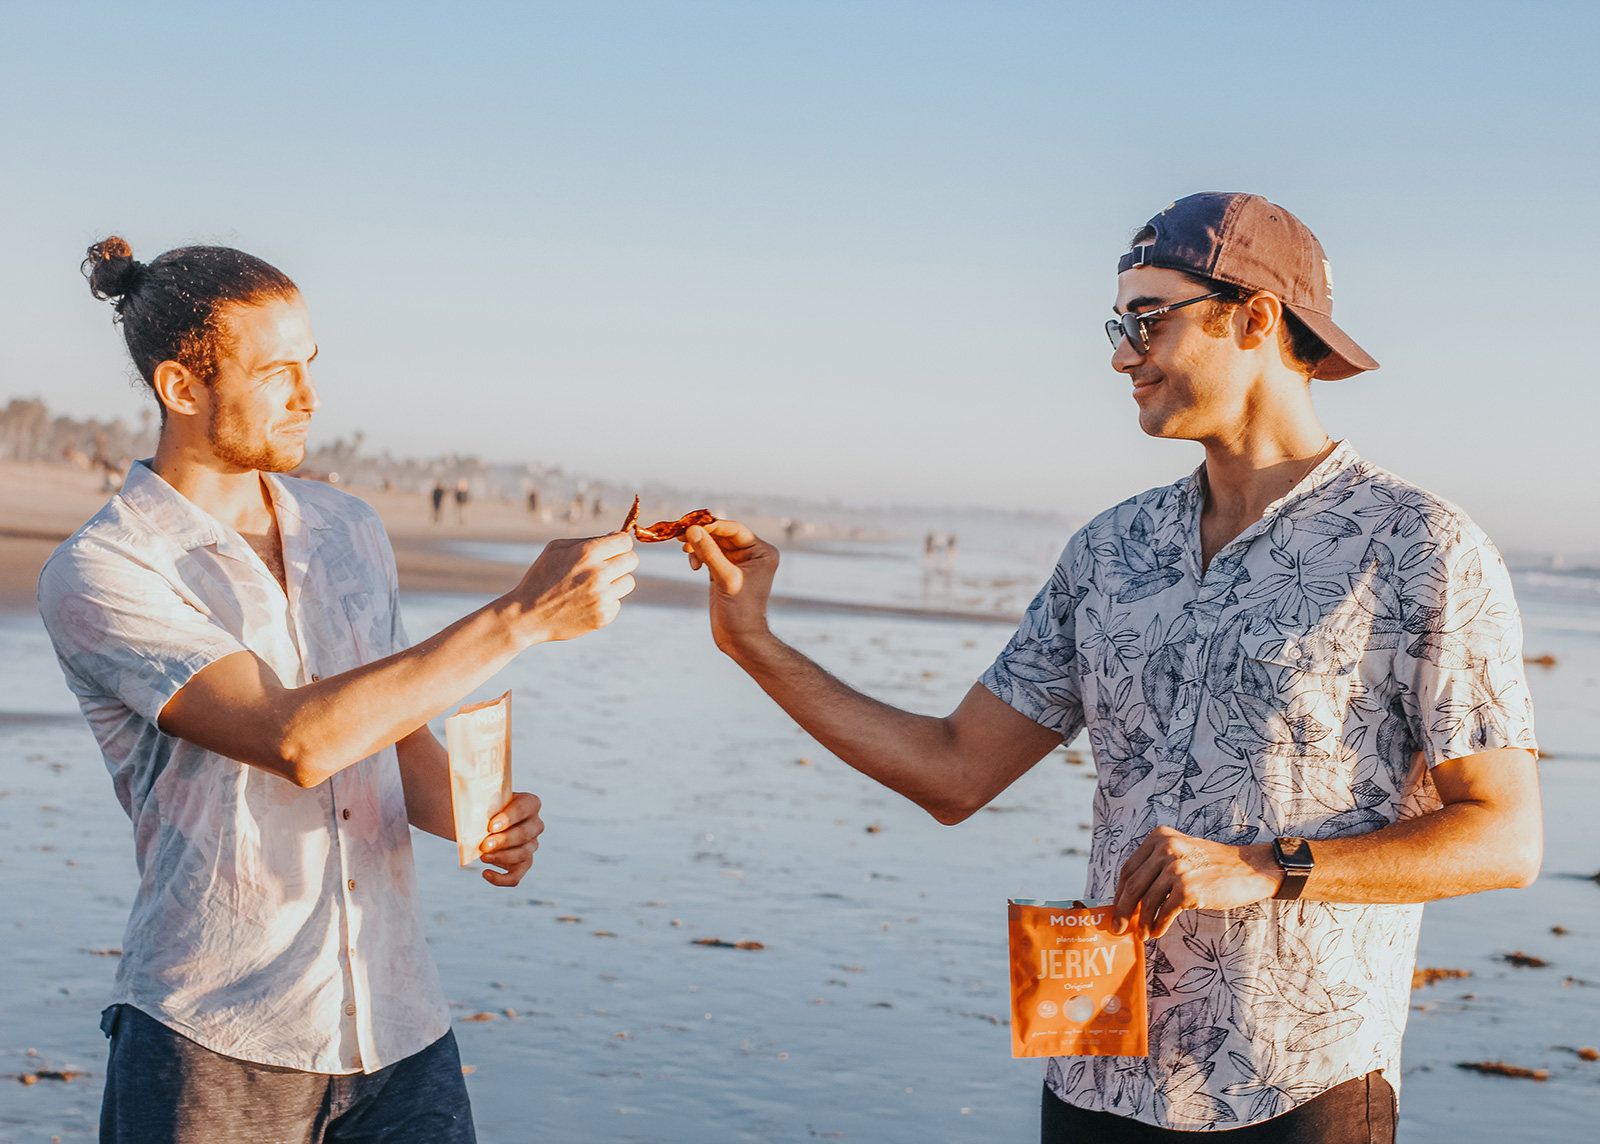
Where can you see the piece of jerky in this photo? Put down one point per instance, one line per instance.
(633, 517)
(673, 529)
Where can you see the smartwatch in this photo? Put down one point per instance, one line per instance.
(1294, 855)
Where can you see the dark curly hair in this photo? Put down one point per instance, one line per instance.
(172, 309)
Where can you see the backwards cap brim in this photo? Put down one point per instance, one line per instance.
(1346, 359)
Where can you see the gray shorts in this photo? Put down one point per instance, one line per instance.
(162, 1088)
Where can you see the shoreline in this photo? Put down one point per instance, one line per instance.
(42, 505)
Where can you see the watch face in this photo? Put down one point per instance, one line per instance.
(1293, 853)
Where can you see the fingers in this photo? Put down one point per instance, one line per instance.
(1138, 872)
(617, 572)
(1160, 915)
(617, 566)
(730, 535)
(515, 823)
(521, 805)
(607, 546)
(708, 550)
(516, 863)
(511, 847)
(578, 585)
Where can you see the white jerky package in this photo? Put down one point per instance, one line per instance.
(478, 738)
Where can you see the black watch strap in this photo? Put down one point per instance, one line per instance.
(1294, 857)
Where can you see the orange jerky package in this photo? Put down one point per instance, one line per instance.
(1077, 987)
(478, 738)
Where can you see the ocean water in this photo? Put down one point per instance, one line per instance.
(678, 808)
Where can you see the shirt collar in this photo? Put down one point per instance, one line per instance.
(1336, 462)
(188, 525)
(175, 515)
(285, 500)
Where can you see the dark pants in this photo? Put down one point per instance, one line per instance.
(1359, 1111)
(162, 1088)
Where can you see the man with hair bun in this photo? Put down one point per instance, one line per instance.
(233, 636)
(1302, 680)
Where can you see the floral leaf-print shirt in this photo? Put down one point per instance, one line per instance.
(272, 924)
(1360, 633)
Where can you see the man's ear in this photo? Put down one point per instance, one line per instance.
(177, 388)
(1261, 316)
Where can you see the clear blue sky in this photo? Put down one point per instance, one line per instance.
(833, 249)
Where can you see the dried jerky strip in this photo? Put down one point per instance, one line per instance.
(633, 517)
(673, 529)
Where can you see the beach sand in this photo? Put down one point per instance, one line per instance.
(42, 505)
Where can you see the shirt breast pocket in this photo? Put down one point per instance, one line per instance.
(1301, 689)
(1306, 681)
(371, 626)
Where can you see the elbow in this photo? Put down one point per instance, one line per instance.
(1527, 853)
(1524, 870)
(299, 763)
(952, 811)
(306, 779)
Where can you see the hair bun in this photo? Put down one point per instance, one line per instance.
(111, 269)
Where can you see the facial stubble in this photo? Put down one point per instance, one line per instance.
(234, 438)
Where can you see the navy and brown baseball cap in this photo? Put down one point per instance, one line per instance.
(1247, 241)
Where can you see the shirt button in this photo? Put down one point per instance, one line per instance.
(350, 1010)
(1183, 713)
(1166, 800)
(351, 884)
(347, 814)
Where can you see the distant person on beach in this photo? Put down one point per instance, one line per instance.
(1302, 681)
(463, 495)
(438, 502)
(233, 637)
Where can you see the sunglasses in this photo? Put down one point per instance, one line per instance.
(1132, 326)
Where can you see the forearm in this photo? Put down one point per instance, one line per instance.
(917, 756)
(238, 707)
(1462, 848)
(1487, 834)
(335, 722)
(425, 775)
(950, 767)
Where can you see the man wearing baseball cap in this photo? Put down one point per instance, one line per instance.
(1302, 679)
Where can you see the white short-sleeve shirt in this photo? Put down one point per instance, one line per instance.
(272, 924)
(1360, 633)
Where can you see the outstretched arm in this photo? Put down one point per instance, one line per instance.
(949, 766)
(239, 708)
